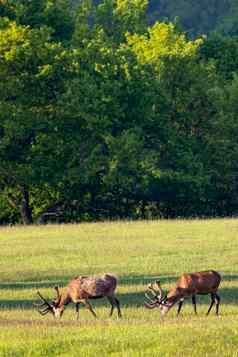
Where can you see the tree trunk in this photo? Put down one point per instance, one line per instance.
(25, 210)
(52, 211)
(143, 205)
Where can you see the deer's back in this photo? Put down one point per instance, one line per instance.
(204, 282)
(93, 286)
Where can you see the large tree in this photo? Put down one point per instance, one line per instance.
(32, 69)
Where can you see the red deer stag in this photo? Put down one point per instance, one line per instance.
(189, 285)
(80, 290)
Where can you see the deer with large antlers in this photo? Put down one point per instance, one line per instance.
(79, 291)
(188, 285)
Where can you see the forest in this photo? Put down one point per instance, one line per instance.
(118, 109)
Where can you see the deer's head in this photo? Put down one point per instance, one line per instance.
(55, 307)
(155, 298)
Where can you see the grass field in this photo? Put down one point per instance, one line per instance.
(137, 252)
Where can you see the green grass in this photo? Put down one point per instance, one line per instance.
(137, 252)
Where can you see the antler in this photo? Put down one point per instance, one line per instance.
(57, 291)
(155, 292)
(44, 307)
(153, 297)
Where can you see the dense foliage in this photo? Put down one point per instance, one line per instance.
(104, 116)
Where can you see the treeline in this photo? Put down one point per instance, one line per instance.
(105, 117)
(195, 17)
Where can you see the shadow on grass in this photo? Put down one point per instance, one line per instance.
(127, 300)
(146, 279)
(48, 282)
(164, 279)
(51, 281)
(229, 295)
(229, 277)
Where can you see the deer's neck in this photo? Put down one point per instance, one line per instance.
(174, 295)
(65, 299)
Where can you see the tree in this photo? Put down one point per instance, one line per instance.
(183, 117)
(223, 150)
(222, 51)
(33, 69)
(56, 15)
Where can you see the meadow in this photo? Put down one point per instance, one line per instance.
(40, 257)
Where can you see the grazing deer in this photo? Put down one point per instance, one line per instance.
(80, 290)
(189, 285)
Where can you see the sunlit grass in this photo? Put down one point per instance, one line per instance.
(137, 252)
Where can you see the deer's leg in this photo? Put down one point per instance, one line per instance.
(112, 302)
(89, 307)
(194, 304)
(180, 304)
(212, 303)
(118, 307)
(217, 301)
(77, 310)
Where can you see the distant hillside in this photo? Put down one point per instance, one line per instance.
(198, 17)
(195, 16)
